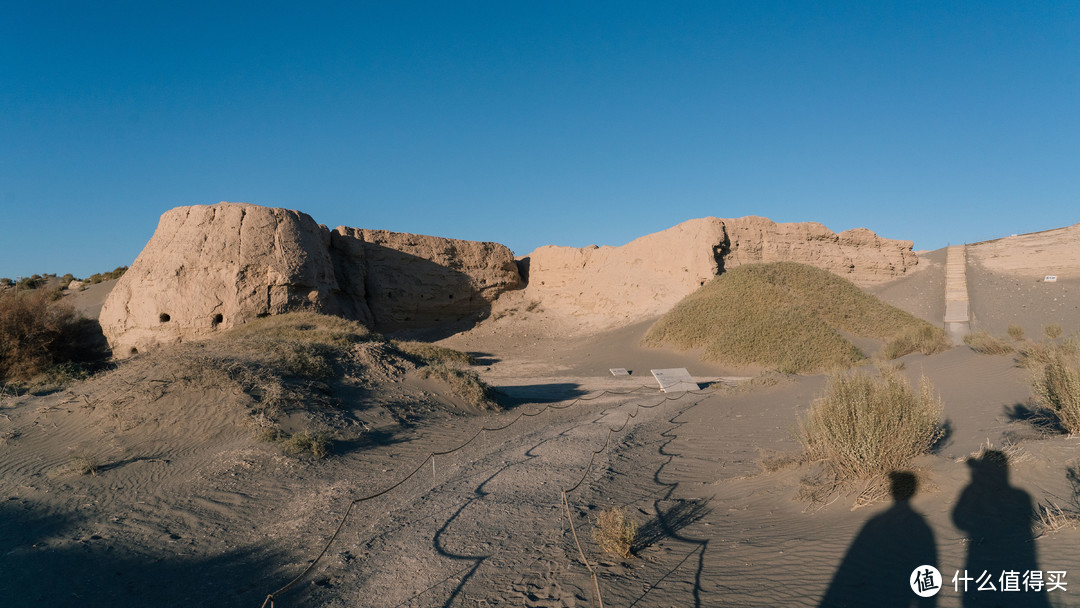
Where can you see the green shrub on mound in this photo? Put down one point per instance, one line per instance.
(788, 316)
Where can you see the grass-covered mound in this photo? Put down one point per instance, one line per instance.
(790, 317)
(314, 346)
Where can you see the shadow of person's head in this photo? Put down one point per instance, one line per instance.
(990, 470)
(902, 485)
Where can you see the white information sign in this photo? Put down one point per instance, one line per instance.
(619, 371)
(675, 380)
(1050, 278)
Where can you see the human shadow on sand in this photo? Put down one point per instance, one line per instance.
(889, 548)
(998, 519)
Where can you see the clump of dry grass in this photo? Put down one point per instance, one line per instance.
(615, 532)
(1056, 384)
(924, 338)
(270, 434)
(784, 315)
(464, 383)
(984, 343)
(1051, 517)
(303, 443)
(432, 354)
(778, 461)
(1052, 331)
(1015, 332)
(85, 465)
(866, 426)
(1036, 355)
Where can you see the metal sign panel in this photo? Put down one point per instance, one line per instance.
(675, 380)
(1050, 278)
(619, 371)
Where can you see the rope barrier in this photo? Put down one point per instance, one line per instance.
(269, 601)
(588, 469)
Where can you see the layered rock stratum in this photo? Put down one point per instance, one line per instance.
(211, 267)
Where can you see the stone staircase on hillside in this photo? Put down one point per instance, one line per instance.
(957, 312)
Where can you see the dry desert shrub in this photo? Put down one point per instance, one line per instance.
(432, 354)
(1051, 517)
(1052, 331)
(924, 338)
(615, 532)
(786, 316)
(303, 443)
(85, 465)
(98, 277)
(865, 426)
(1016, 332)
(1056, 384)
(1035, 355)
(464, 383)
(982, 342)
(38, 334)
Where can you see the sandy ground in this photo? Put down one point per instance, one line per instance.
(187, 509)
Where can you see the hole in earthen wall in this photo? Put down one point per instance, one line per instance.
(164, 317)
(217, 320)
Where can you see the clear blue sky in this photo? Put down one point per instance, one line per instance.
(532, 123)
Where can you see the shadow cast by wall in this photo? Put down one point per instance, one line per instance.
(409, 295)
(48, 560)
(513, 396)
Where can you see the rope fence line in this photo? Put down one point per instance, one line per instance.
(269, 601)
(588, 469)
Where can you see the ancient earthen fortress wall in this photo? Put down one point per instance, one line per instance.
(211, 267)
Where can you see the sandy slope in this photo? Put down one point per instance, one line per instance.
(186, 509)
